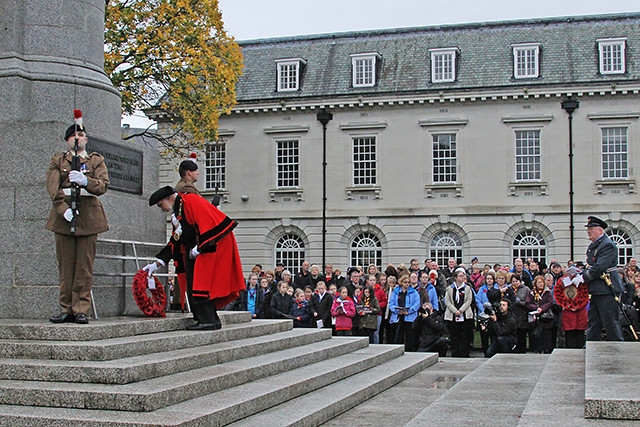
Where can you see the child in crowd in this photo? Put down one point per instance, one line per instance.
(249, 297)
(343, 310)
(300, 310)
(263, 307)
(368, 309)
(308, 292)
(355, 321)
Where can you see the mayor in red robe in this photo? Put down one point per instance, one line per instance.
(217, 277)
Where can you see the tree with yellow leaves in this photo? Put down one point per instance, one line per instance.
(175, 56)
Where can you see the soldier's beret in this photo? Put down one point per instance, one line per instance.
(594, 221)
(160, 194)
(188, 165)
(73, 129)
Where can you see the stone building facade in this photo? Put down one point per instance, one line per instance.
(444, 141)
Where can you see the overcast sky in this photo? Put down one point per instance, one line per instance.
(252, 19)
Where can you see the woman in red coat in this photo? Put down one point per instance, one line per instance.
(574, 311)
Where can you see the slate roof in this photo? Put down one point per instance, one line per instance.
(569, 55)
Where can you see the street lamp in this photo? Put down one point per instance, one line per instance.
(324, 117)
(570, 105)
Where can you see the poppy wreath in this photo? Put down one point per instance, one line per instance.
(152, 302)
(570, 299)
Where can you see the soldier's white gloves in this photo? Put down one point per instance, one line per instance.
(68, 215)
(78, 177)
(577, 280)
(151, 268)
(194, 252)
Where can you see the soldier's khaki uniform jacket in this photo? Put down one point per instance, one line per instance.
(91, 219)
(184, 186)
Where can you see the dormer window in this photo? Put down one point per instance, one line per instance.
(526, 60)
(364, 68)
(443, 64)
(290, 74)
(612, 55)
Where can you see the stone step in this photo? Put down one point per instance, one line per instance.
(315, 408)
(611, 380)
(558, 396)
(138, 368)
(495, 394)
(104, 328)
(405, 400)
(136, 345)
(155, 393)
(230, 403)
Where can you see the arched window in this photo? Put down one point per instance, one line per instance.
(624, 244)
(529, 244)
(366, 249)
(445, 245)
(290, 252)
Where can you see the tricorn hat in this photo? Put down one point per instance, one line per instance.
(594, 221)
(160, 194)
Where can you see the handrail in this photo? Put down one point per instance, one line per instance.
(134, 242)
(125, 258)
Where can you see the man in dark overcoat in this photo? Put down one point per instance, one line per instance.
(601, 276)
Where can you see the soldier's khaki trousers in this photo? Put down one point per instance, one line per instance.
(75, 263)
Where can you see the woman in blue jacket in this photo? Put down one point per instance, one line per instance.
(403, 306)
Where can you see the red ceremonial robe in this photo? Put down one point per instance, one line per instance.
(218, 270)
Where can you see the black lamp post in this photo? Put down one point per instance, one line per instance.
(324, 117)
(570, 105)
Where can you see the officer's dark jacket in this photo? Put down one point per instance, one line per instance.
(602, 255)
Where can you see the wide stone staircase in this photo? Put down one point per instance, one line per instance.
(134, 371)
(593, 387)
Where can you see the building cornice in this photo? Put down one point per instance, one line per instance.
(519, 94)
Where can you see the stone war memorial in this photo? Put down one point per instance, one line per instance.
(124, 369)
(51, 62)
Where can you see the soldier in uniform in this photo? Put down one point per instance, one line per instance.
(76, 250)
(188, 170)
(216, 278)
(602, 260)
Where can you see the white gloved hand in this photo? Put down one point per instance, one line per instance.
(577, 280)
(151, 268)
(78, 177)
(194, 252)
(175, 221)
(68, 215)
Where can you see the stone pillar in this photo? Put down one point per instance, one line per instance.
(51, 62)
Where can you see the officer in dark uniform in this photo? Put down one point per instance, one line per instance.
(602, 260)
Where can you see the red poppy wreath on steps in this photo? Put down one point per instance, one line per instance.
(152, 302)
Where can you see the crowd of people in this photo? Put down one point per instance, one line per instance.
(527, 306)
